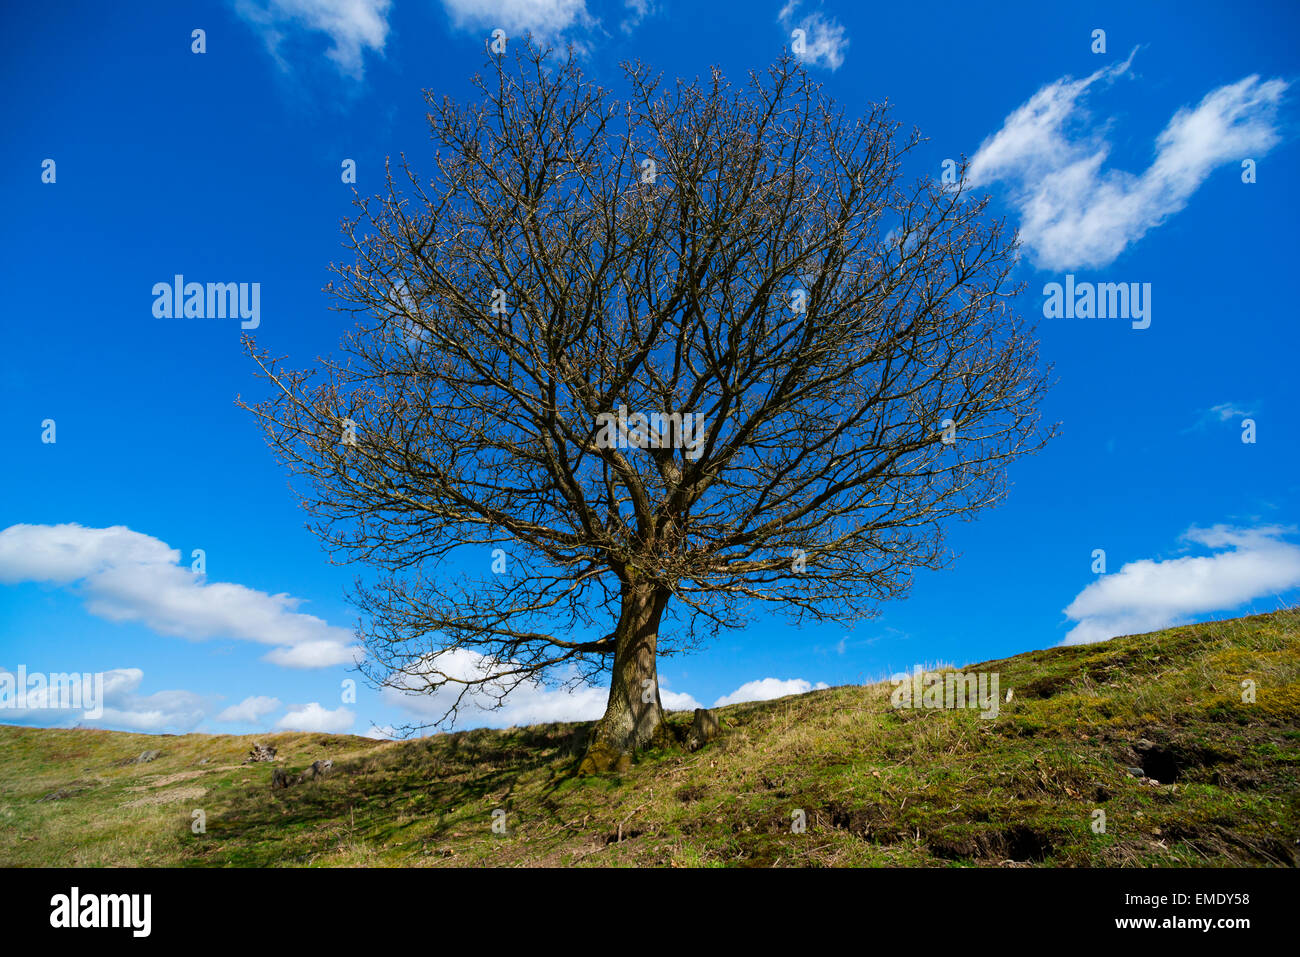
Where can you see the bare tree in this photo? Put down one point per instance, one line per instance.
(664, 360)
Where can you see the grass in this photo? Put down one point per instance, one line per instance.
(874, 785)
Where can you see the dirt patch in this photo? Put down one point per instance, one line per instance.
(167, 779)
(1217, 840)
(1046, 687)
(617, 837)
(1018, 843)
(168, 797)
(1169, 760)
(867, 823)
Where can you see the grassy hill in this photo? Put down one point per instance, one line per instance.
(1088, 728)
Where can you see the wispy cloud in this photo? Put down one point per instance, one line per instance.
(545, 19)
(124, 575)
(352, 26)
(1223, 412)
(1148, 595)
(637, 10)
(825, 38)
(1076, 214)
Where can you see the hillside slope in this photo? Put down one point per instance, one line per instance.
(1087, 730)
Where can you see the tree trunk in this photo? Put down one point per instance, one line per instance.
(633, 718)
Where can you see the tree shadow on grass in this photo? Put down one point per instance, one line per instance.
(428, 789)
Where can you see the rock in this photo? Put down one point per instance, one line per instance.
(1136, 772)
(704, 729)
(281, 779)
(147, 756)
(317, 769)
(260, 752)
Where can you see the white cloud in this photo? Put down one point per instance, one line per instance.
(527, 703)
(543, 18)
(824, 38)
(250, 709)
(677, 700)
(1148, 595)
(61, 554)
(121, 707)
(128, 576)
(353, 26)
(1076, 214)
(536, 703)
(315, 717)
(312, 654)
(765, 689)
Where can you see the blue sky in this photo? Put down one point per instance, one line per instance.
(1117, 166)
